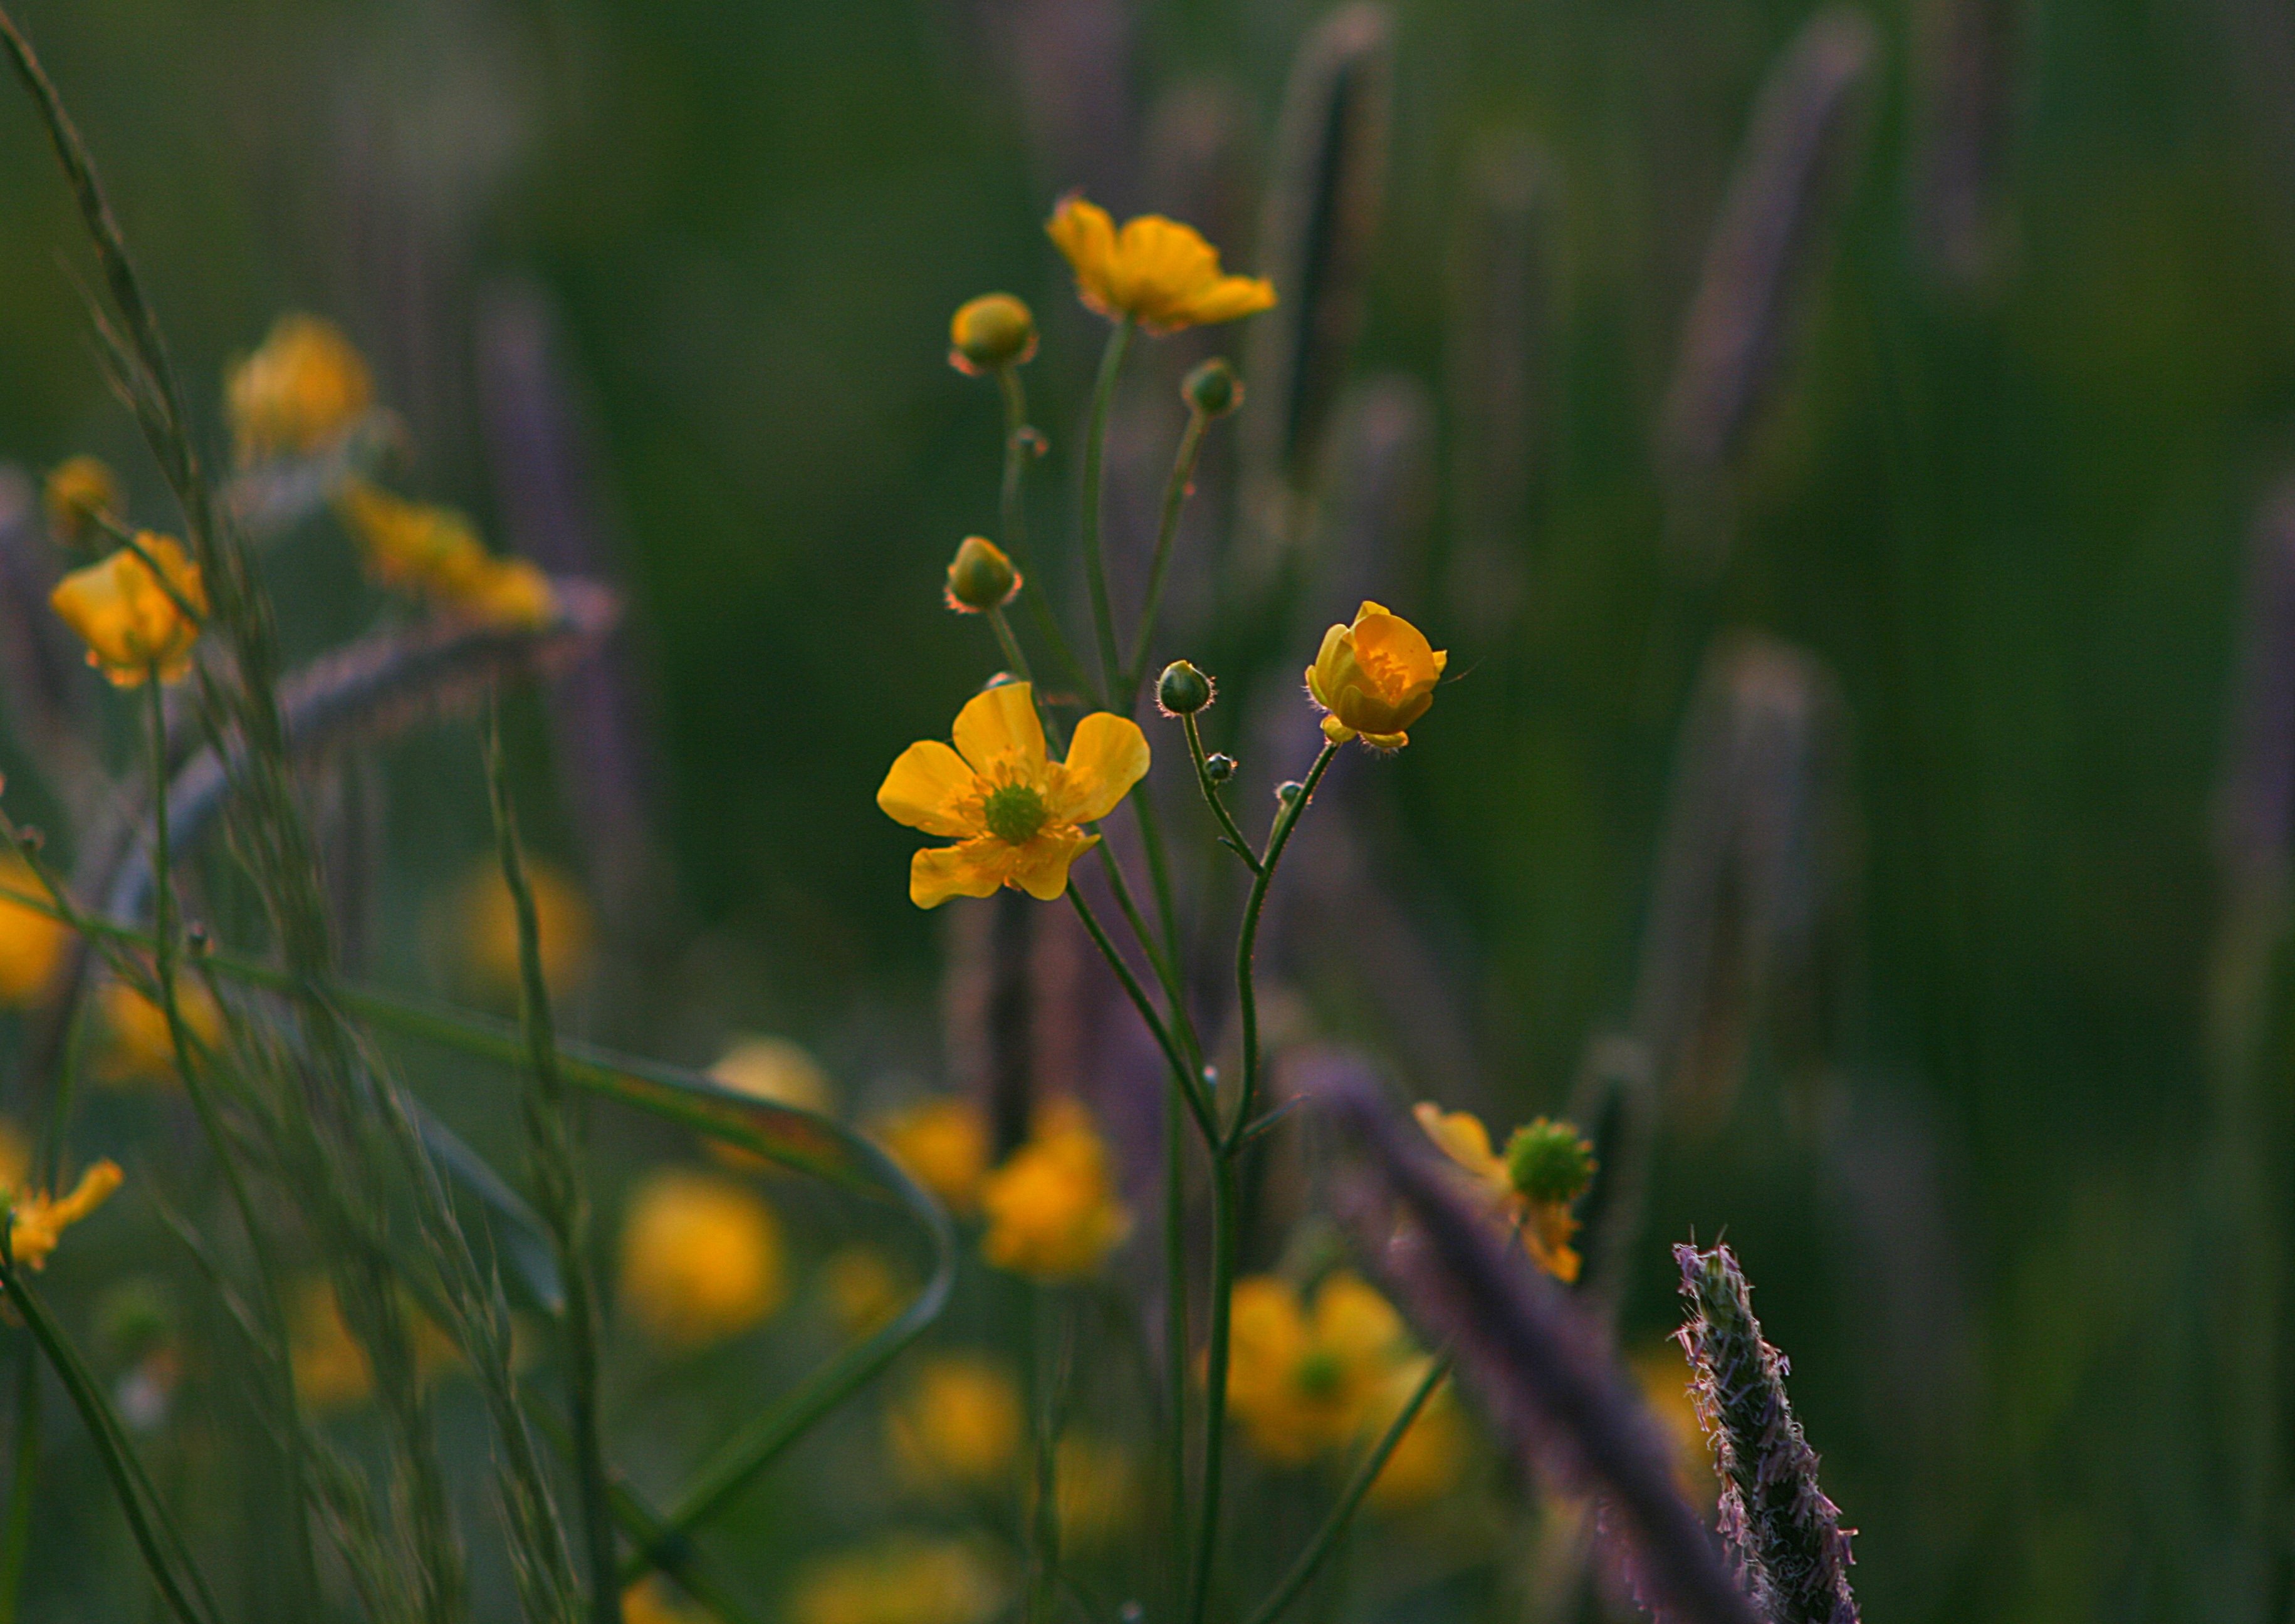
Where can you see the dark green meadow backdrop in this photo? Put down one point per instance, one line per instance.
(2012, 516)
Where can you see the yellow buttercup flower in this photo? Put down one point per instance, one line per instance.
(1529, 1189)
(701, 1259)
(132, 624)
(434, 553)
(959, 1425)
(1375, 678)
(1300, 1379)
(300, 391)
(137, 1045)
(1052, 1208)
(1018, 816)
(32, 943)
(903, 1578)
(1157, 272)
(82, 493)
(37, 1222)
(942, 1143)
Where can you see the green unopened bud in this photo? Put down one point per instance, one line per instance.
(1547, 1161)
(1219, 768)
(1288, 792)
(980, 577)
(1213, 388)
(991, 331)
(1182, 690)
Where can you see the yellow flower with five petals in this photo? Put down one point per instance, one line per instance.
(1155, 271)
(1016, 815)
(1375, 678)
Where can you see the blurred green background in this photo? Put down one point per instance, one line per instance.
(2032, 1332)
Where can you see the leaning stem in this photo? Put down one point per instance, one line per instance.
(1015, 657)
(1188, 1085)
(1020, 443)
(1175, 497)
(1175, 1321)
(16, 1539)
(1095, 458)
(1246, 994)
(1235, 842)
(1215, 1363)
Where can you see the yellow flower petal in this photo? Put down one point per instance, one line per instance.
(974, 868)
(923, 788)
(1083, 232)
(1156, 271)
(1106, 757)
(1229, 298)
(998, 726)
(1041, 867)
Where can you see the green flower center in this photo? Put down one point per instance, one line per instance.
(1319, 1374)
(1013, 814)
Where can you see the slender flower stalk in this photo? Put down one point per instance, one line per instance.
(1021, 445)
(1175, 497)
(1095, 457)
(1247, 941)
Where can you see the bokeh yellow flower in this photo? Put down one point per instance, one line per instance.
(1098, 1489)
(1052, 1208)
(902, 1579)
(435, 553)
(481, 922)
(300, 391)
(82, 493)
(863, 1288)
(1664, 1380)
(942, 1142)
(651, 1601)
(1530, 1188)
(330, 1368)
(35, 1222)
(958, 1424)
(136, 1045)
(32, 943)
(993, 331)
(1375, 678)
(512, 592)
(1016, 815)
(1157, 272)
(1430, 1455)
(131, 623)
(701, 1259)
(1302, 1379)
(777, 1069)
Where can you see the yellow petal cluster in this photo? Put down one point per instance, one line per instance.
(942, 1142)
(1546, 1227)
(133, 625)
(1052, 1208)
(434, 553)
(701, 1259)
(903, 1578)
(1303, 1376)
(1157, 272)
(959, 1425)
(137, 1045)
(1375, 678)
(1017, 816)
(32, 943)
(300, 391)
(82, 491)
(37, 1222)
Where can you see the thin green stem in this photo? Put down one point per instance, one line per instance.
(16, 1540)
(1247, 995)
(551, 1131)
(1020, 443)
(1095, 458)
(1216, 1364)
(1014, 655)
(1351, 1498)
(1234, 840)
(1175, 498)
(1175, 1327)
(1187, 1083)
(1166, 974)
(1159, 874)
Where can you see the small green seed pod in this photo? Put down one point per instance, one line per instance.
(1182, 690)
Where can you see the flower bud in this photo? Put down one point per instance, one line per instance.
(980, 577)
(1213, 388)
(1182, 690)
(1219, 768)
(1288, 791)
(993, 331)
(1547, 1161)
(81, 491)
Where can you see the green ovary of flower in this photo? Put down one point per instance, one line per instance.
(1013, 814)
(1319, 1375)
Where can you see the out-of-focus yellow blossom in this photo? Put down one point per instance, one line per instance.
(991, 332)
(1157, 272)
(137, 1046)
(1018, 815)
(942, 1142)
(1530, 1189)
(330, 1368)
(904, 1579)
(1099, 1489)
(777, 1069)
(131, 623)
(1052, 1208)
(1430, 1456)
(82, 493)
(701, 1259)
(35, 1222)
(435, 553)
(513, 592)
(483, 921)
(1375, 678)
(32, 943)
(300, 391)
(651, 1601)
(1302, 1379)
(863, 1288)
(959, 1425)
(1664, 1382)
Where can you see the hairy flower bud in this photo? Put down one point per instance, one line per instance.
(1219, 768)
(980, 577)
(993, 331)
(1182, 690)
(1213, 388)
